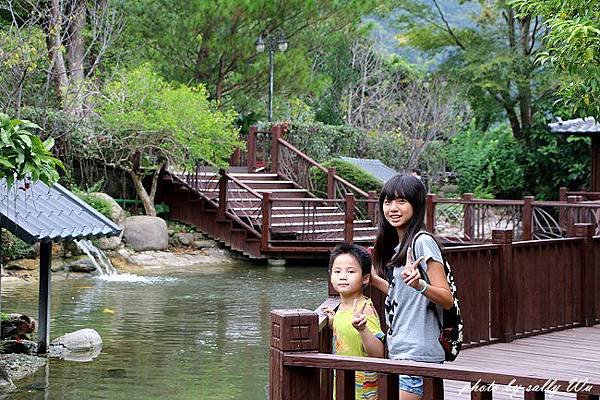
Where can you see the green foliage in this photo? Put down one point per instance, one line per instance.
(487, 163)
(162, 208)
(573, 47)
(14, 248)
(350, 172)
(156, 121)
(23, 154)
(101, 205)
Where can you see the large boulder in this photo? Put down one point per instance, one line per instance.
(117, 214)
(146, 233)
(82, 345)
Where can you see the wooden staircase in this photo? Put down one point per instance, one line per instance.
(299, 224)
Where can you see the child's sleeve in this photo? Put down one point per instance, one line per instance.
(374, 326)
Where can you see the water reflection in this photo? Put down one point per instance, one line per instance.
(200, 334)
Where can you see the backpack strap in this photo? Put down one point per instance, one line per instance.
(431, 306)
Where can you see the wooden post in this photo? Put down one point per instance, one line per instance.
(571, 215)
(44, 297)
(372, 206)
(562, 197)
(293, 331)
(434, 388)
(468, 217)
(344, 384)
(266, 221)
(275, 136)
(481, 391)
(349, 220)
(252, 148)
(331, 182)
(387, 387)
(503, 300)
(528, 218)
(595, 184)
(588, 273)
(531, 395)
(222, 195)
(430, 216)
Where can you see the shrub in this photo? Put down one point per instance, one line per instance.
(487, 163)
(14, 248)
(102, 206)
(350, 172)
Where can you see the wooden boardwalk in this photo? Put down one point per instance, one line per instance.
(561, 355)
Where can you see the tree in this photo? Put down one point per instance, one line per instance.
(214, 43)
(491, 57)
(387, 98)
(150, 124)
(572, 47)
(23, 155)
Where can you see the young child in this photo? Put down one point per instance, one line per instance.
(356, 327)
(413, 328)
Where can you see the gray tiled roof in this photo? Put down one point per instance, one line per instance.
(576, 126)
(50, 213)
(375, 167)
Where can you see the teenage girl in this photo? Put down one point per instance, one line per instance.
(356, 327)
(413, 329)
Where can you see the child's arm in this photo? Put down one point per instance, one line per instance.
(330, 315)
(371, 343)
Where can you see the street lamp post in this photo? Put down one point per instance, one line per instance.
(271, 43)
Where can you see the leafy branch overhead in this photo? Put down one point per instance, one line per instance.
(24, 155)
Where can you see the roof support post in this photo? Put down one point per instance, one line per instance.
(44, 297)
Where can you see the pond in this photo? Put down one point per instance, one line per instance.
(173, 334)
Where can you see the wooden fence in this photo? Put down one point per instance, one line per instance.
(507, 290)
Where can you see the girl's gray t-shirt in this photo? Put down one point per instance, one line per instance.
(413, 329)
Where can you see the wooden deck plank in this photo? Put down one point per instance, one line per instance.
(563, 355)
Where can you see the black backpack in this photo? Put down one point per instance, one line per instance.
(451, 330)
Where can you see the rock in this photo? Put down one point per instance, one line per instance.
(70, 249)
(17, 326)
(199, 236)
(185, 238)
(18, 347)
(6, 384)
(204, 244)
(83, 264)
(18, 366)
(23, 264)
(79, 341)
(146, 233)
(110, 243)
(117, 214)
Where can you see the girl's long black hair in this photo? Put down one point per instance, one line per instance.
(412, 190)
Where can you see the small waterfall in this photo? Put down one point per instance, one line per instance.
(101, 262)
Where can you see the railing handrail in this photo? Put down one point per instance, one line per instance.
(321, 167)
(243, 185)
(440, 371)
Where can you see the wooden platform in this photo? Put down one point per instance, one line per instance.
(562, 355)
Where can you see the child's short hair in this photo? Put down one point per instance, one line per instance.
(358, 252)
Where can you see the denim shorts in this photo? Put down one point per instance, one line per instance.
(411, 384)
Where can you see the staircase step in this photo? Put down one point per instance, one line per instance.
(315, 223)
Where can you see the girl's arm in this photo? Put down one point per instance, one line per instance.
(438, 290)
(378, 282)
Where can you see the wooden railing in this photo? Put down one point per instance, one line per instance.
(507, 290)
(469, 220)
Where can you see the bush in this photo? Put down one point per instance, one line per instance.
(350, 172)
(14, 248)
(487, 163)
(102, 206)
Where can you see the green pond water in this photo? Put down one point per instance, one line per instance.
(199, 333)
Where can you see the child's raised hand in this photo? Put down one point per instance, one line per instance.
(410, 273)
(359, 318)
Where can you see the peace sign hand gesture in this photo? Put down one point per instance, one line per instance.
(359, 318)
(410, 273)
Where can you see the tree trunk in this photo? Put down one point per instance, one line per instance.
(76, 54)
(54, 45)
(147, 200)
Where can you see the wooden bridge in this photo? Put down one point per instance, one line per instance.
(270, 204)
(531, 310)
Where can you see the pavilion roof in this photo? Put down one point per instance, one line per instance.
(41, 213)
(375, 167)
(579, 126)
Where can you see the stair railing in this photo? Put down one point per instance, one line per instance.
(240, 202)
